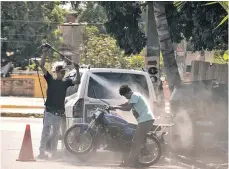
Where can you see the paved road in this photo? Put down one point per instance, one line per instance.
(12, 132)
(22, 111)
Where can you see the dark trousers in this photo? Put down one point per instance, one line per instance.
(138, 140)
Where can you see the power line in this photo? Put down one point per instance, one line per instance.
(49, 22)
(9, 20)
(21, 35)
(32, 41)
(18, 41)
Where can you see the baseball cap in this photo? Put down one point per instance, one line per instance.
(60, 68)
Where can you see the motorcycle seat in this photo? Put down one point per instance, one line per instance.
(133, 126)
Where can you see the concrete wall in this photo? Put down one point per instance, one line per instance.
(23, 85)
(190, 56)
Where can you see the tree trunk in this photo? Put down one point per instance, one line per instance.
(166, 46)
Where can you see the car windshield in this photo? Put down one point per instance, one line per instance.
(106, 85)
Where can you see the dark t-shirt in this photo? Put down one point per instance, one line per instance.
(56, 92)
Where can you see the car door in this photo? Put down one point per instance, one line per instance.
(72, 96)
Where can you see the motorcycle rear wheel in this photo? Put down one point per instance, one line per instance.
(158, 148)
(73, 139)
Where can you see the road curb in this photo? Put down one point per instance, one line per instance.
(21, 107)
(28, 115)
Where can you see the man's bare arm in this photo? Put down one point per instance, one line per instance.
(125, 107)
(43, 59)
(76, 79)
(124, 104)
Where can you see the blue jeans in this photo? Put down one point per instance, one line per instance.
(50, 120)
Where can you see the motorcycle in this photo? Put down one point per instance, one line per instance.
(111, 132)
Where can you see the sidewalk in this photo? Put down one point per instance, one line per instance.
(21, 107)
(21, 102)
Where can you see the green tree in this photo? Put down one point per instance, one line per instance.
(26, 25)
(205, 27)
(123, 24)
(120, 20)
(197, 23)
(220, 57)
(135, 62)
(224, 4)
(194, 22)
(92, 13)
(101, 49)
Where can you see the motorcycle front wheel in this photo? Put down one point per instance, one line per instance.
(78, 142)
(151, 152)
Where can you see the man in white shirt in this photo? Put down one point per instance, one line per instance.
(145, 118)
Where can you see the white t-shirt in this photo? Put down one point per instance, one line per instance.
(141, 106)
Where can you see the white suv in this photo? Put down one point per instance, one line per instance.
(103, 83)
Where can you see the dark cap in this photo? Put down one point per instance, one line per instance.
(60, 68)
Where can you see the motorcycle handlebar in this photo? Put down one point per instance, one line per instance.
(107, 107)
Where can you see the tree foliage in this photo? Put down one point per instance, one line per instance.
(224, 4)
(135, 62)
(197, 22)
(102, 51)
(87, 11)
(220, 57)
(93, 13)
(194, 22)
(26, 25)
(120, 20)
(123, 24)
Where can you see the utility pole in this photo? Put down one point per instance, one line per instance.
(152, 58)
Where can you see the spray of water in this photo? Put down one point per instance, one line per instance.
(200, 122)
(184, 129)
(113, 90)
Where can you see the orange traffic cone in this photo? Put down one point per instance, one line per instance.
(26, 152)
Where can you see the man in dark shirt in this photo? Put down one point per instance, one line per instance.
(54, 105)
